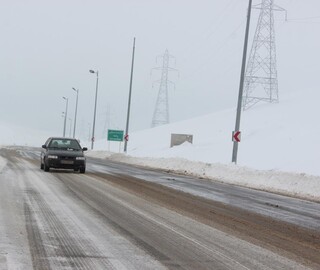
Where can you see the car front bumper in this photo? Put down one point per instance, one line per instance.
(66, 163)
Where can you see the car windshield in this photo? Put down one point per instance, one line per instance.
(66, 144)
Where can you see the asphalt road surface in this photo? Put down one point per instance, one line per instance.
(122, 217)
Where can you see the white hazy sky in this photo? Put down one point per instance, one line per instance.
(47, 47)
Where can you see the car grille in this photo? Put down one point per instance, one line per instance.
(66, 158)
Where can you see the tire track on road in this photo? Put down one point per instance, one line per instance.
(118, 202)
(65, 249)
(172, 246)
(37, 250)
(52, 242)
(299, 244)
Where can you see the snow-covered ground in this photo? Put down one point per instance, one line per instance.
(278, 152)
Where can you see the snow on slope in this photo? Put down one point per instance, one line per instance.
(278, 137)
(278, 152)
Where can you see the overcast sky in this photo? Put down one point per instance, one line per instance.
(48, 47)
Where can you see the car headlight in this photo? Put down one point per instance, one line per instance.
(80, 158)
(52, 157)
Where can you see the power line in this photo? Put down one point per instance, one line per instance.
(211, 29)
(214, 54)
(304, 19)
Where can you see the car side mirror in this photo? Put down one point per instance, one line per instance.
(44, 146)
(84, 149)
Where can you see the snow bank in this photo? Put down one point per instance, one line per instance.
(293, 184)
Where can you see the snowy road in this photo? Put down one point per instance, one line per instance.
(107, 219)
(296, 211)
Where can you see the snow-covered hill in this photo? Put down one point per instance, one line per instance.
(279, 137)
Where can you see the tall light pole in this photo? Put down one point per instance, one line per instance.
(129, 101)
(243, 69)
(62, 115)
(70, 125)
(65, 117)
(75, 114)
(95, 107)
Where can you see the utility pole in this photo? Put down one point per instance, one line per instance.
(70, 126)
(161, 111)
(243, 67)
(75, 113)
(126, 138)
(95, 107)
(65, 117)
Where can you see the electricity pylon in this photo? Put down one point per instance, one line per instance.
(161, 112)
(261, 78)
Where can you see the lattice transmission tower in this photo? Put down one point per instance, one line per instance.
(261, 78)
(161, 112)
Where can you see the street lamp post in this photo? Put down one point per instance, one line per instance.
(70, 126)
(62, 115)
(243, 69)
(75, 114)
(95, 107)
(65, 117)
(129, 99)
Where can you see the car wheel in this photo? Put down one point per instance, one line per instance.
(82, 170)
(45, 167)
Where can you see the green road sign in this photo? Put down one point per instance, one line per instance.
(115, 135)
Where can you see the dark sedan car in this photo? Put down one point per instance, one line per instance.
(63, 153)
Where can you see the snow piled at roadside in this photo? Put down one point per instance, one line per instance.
(293, 184)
